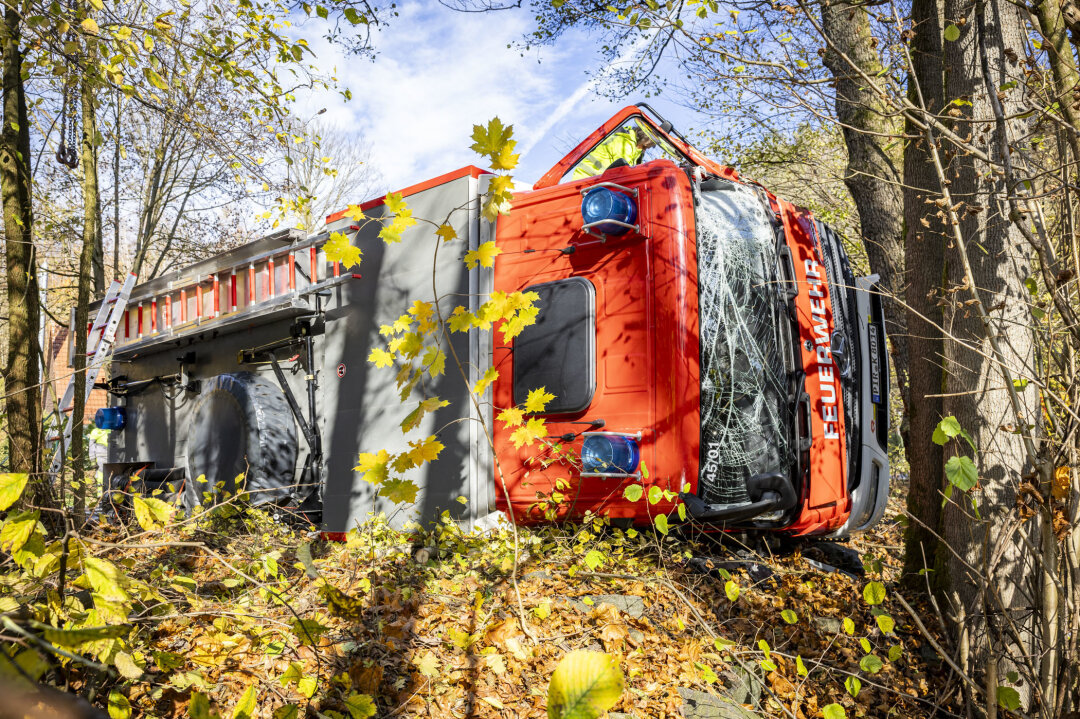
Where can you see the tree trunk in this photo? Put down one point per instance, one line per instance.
(87, 260)
(1062, 65)
(975, 391)
(21, 377)
(924, 247)
(875, 159)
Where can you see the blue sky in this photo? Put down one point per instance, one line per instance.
(439, 72)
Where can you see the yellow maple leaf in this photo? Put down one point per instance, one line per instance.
(411, 344)
(528, 433)
(412, 421)
(484, 254)
(354, 213)
(495, 205)
(537, 400)
(446, 232)
(422, 311)
(399, 491)
(380, 357)
(505, 159)
(390, 234)
(428, 665)
(339, 249)
(512, 416)
(425, 450)
(435, 361)
(461, 320)
(394, 202)
(491, 139)
(1062, 481)
(490, 376)
(402, 462)
(373, 466)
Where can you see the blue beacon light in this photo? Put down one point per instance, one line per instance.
(607, 207)
(110, 418)
(609, 454)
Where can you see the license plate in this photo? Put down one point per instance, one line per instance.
(875, 366)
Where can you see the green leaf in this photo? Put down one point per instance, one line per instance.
(105, 579)
(17, 530)
(789, 616)
(125, 664)
(584, 686)
(949, 427)
(360, 706)
(151, 513)
(874, 593)
(952, 33)
(849, 626)
(287, 711)
(246, 706)
(853, 685)
(633, 492)
(661, 524)
(962, 473)
(800, 667)
(731, 589)
(895, 651)
(119, 706)
(885, 623)
(155, 79)
(865, 644)
(11, 488)
(1008, 698)
(655, 494)
(594, 559)
(834, 711)
(870, 664)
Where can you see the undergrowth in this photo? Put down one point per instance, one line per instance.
(232, 613)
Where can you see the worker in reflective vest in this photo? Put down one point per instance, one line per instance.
(628, 145)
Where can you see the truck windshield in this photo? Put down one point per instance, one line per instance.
(746, 418)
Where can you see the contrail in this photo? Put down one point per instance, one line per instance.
(583, 90)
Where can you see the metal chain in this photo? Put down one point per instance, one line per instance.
(67, 154)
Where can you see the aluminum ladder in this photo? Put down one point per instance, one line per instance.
(99, 344)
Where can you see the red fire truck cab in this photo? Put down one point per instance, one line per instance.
(699, 335)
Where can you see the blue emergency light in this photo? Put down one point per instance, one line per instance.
(110, 418)
(608, 211)
(609, 454)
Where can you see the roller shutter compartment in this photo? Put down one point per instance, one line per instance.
(241, 424)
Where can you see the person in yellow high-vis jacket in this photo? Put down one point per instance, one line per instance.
(626, 145)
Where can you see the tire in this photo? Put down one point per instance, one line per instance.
(241, 424)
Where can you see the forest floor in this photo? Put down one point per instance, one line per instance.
(270, 621)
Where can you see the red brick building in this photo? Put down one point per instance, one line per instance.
(58, 371)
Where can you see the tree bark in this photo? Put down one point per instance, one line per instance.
(88, 260)
(21, 376)
(924, 247)
(875, 161)
(974, 388)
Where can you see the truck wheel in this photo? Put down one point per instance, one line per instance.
(241, 424)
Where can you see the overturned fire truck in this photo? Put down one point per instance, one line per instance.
(699, 335)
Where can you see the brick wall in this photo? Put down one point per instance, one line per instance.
(58, 372)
